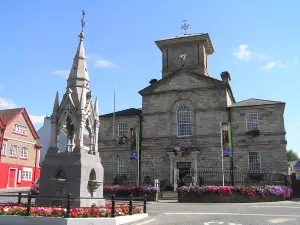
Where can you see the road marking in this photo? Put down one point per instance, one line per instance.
(233, 214)
(148, 221)
(275, 206)
(207, 223)
(279, 220)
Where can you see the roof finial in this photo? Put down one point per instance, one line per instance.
(184, 26)
(81, 35)
(82, 20)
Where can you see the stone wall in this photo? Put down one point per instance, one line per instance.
(271, 143)
(110, 150)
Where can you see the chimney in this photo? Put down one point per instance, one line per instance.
(153, 81)
(225, 76)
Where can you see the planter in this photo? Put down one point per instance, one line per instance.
(30, 220)
(192, 197)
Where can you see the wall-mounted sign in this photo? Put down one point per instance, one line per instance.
(297, 176)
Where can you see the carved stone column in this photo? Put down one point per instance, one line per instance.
(53, 148)
(96, 136)
(80, 123)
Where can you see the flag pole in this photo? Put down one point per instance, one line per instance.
(114, 115)
(222, 153)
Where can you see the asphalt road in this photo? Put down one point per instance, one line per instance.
(281, 213)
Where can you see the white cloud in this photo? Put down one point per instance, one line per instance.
(2, 86)
(244, 53)
(274, 64)
(102, 63)
(36, 119)
(7, 103)
(62, 73)
(295, 60)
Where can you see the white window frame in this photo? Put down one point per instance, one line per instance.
(3, 150)
(122, 160)
(27, 174)
(24, 150)
(178, 115)
(122, 129)
(15, 152)
(256, 124)
(259, 161)
(20, 129)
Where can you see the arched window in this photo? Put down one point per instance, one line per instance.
(184, 121)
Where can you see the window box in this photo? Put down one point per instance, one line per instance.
(254, 133)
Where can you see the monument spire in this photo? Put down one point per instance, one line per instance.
(78, 76)
(56, 103)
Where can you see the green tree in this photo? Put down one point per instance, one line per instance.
(292, 156)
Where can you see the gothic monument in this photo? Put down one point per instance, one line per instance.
(74, 170)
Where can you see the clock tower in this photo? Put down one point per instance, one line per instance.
(189, 51)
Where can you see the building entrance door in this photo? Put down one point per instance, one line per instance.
(184, 168)
(12, 177)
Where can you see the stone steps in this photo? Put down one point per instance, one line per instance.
(169, 195)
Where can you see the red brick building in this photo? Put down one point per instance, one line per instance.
(20, 152)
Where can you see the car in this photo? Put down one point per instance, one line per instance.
(35, 187)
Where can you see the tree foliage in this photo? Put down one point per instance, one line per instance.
(292, 156)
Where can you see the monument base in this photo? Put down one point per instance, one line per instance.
(80, 174)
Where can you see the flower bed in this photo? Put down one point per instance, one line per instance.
(125, 191)
(93, 212)
(233, 193)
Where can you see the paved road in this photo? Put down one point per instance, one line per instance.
(282, 213)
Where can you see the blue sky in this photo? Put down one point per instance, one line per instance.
(256, 41)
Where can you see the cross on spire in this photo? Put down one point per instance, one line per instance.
(184, 26)
(82, 20)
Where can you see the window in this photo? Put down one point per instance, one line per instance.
(20, 129)
(24, 153)
(13, 150)
(254, 161)
(252, 121)
(27, 174)
(3, 150)
(184, 121)
(121, 164)
(122, 129)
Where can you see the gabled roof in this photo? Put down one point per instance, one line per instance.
(158, 83)
(126, 112)
(9, 115)
(254, 102)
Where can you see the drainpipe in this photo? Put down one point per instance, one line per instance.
(36, 150)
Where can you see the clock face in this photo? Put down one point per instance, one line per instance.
(183, 56)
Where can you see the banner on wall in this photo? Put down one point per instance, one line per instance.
(135, 153)
(226, 139)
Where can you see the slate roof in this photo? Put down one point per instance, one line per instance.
(8, 114)
(126, 112)
(253, 102)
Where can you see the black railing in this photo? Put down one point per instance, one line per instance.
(131, 178)
(230, 177)
(131, 201)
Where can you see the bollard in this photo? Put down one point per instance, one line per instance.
(130, 204)
(68, 215)
(28, 205)
(145, 204)
(19, 197)
(113, 205)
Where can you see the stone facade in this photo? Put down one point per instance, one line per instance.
(211, 102)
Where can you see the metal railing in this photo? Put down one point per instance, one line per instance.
(231, 177)
(131, 201)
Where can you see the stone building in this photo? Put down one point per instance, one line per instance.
(183, 111)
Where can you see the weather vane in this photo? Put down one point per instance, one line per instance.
(82, 20)
(184, 26)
